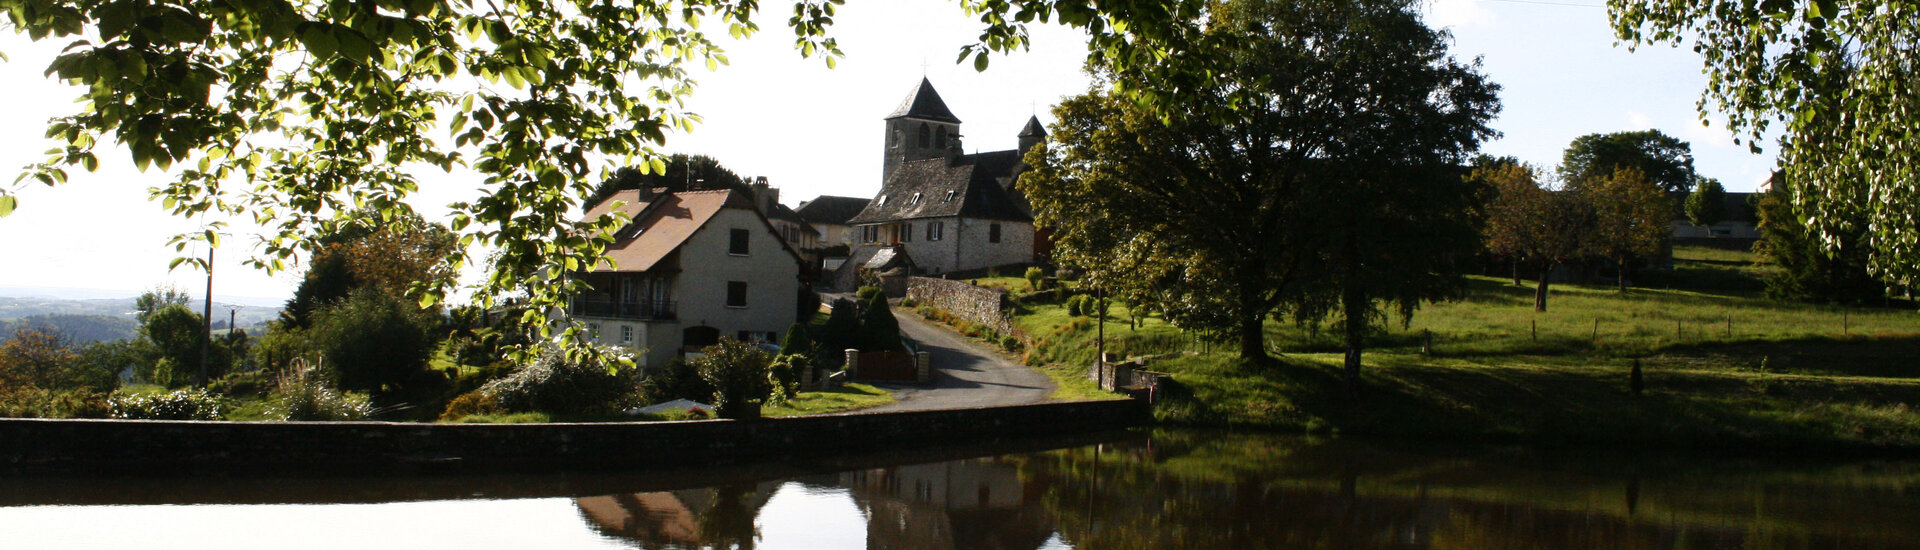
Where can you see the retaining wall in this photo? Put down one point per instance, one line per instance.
(145, 447)
(983, 305)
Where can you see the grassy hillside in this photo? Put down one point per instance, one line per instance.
(1723, 367)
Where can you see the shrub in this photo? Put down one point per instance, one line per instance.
(738, 373)
(1036, 278)
(374, 341)
(176, 405)
(302, 394)
(879, 331)
(556, 384)
(1010, 343)
(279, 347)
(32, 402)
(678, 380)
(243, 384)
(785, 375)
(469, 404)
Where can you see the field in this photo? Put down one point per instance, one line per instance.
(1723, 367)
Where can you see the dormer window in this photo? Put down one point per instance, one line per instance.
(950, 196)
(915, 200)
(883, 200)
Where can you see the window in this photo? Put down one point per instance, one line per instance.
(993, 233)
(870, 234)
(936, 231)
(737, 245)
(923, 135)
(906, 232)
(949, 196)
(626, 334)
(736, 294)
(915, 200)
(940, 138)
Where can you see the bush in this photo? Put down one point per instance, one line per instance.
(374, 341)
(32, 402)
(879, 331)
(302, 394)
(279, 347)
(243, 384)
(1010, 343)
(678, 380)
(469, 404)
(866, 294)
(785, 375)
(176, 405)
(738, 373)
(1036, 278)
(555, 384)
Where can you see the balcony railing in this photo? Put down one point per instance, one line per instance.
(643, 310)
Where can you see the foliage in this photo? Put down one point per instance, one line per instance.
(1807, 269)
(374, 341)
(784, 373)
(281, 346)
(1836, 78)
(678, 380)
(37, 358)
(556, 384)
(1706, 205)
(189, 404)
(1631, 218)
(328, 280)
(177, 334)
(806, 303)
(35, 402)
(1221, 207)
(852, 396)
(797, 341)
(1036, 278)
(841, 329)
(1662, 159)
(1532, 224)
(100, 363)
(156, 299)
(866, 294)
(738, 373)
(681, 173)
(302, 393)
(243, 384)
(389, 256)
(879, 331)
(469, 404)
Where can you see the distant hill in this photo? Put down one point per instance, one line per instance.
(80, 329)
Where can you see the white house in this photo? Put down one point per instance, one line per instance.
(691, 267)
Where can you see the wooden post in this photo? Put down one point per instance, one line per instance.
(1596, 331)
(1729, 328)
(1535, 324)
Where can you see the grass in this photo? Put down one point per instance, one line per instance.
(849, 397)
(1724, 367)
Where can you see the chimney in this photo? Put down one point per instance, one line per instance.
(764, 195)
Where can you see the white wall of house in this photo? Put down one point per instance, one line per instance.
(772, 278)
(832, 234)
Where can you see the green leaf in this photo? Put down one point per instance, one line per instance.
(980, 62)
(7, 204)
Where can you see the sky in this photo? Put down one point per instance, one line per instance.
(816, 131)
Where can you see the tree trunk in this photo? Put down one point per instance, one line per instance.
(1356, 306)
(1540, 290)
(1622, 273)
(1516, 272)
(1253, 345)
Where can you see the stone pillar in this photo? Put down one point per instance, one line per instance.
(853, 363)
(923, 367)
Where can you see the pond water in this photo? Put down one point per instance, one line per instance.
(1164, 489)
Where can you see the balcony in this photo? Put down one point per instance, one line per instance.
(644, 310)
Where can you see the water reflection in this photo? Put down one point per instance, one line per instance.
(1168, 489)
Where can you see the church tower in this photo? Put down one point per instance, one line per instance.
(922, 128)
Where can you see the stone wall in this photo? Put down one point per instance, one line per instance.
(984, 305)
(147, 447)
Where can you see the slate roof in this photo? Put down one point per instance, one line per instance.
(1033, 128)
(831, 210)
(971, 186)
(924, 103)
(662, 225)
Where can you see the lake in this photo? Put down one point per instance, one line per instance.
(1158, 489)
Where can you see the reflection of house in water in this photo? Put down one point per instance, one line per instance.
(721, 517)
(959, 504)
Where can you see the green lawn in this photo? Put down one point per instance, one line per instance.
(1723, 366)
(852, 396)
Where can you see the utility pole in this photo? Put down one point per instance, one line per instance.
(206, 316)
(232, 311)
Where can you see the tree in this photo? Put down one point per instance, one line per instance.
(879, 331)
(374, 341)
(1234, 205)
(1533, 225)
(176, 333)
(35, 358)
(156, 299)
(1836, 77)
(388, 255)
(682, 172)
(1807, 269)
(1631, 218)
(1663, 159)
(738, 373)
(1706, 205)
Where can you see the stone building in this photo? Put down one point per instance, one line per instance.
(946, 209)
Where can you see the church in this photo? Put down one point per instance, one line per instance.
(945, 209)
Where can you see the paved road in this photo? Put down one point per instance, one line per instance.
(966, 373)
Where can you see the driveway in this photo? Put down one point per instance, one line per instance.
(966, 373)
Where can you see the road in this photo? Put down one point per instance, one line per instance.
(966, 373)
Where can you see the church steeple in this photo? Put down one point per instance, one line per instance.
(920, 128)
(1032, 134)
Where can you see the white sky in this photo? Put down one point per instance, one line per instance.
(813, 131)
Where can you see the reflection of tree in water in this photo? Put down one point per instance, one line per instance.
(1222, 491)
(950, 505)
(718, 517)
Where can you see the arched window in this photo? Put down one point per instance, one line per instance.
(940, 138)
(923, 134)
